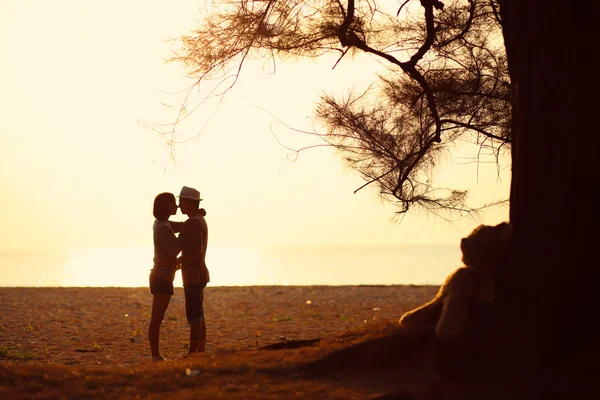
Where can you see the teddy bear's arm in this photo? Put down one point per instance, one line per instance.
(424, 318)
(455, 310)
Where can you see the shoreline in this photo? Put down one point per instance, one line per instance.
(222, 286)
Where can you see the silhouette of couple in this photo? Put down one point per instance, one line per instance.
(191, 243)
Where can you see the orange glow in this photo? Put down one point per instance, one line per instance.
(80, 166)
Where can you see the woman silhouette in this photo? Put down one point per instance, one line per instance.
(166, 249)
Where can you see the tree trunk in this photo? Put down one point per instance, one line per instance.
(545, 290)
(540, 277)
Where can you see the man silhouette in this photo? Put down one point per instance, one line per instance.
(194, 240)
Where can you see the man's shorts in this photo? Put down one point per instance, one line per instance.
(194, 299)
(161, 286)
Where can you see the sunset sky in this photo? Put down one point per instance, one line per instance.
(83, 83)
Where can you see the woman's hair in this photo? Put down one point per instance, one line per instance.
(162, 202)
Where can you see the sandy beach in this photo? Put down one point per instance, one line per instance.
(108, 326)
(89, 342)
(263, 342)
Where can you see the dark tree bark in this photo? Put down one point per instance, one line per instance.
(546, 302)
(546, 162)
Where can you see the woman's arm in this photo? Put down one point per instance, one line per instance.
(176, 226)
(171, 242)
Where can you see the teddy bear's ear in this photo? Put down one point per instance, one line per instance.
(505, 230)
(465, 245)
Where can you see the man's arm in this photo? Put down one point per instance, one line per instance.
(191, 241)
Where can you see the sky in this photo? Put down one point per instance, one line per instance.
(83, 84)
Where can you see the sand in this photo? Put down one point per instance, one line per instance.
(108, 326)
(91, 343)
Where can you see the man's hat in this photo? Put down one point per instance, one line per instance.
(189, 193)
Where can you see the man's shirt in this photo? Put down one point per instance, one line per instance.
(194, 242)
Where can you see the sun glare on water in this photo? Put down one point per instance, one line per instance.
(237, 266)
(108, 267)
(130, 267)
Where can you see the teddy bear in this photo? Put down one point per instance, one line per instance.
(446, 314)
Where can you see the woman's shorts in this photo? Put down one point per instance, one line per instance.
(194, 299)
(161, 286)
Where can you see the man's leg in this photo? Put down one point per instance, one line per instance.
(197, 337)
(195, 315)
(202, 339)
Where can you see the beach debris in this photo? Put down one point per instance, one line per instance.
(8, 353)
(376, 309)
(258, 333)
(291, 344)
(96, 347)
(126, 315)
(191, 372)
(308, 302)
(395, 395)
(281, 318)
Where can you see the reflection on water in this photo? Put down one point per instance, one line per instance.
(32, 268)
(129, 267)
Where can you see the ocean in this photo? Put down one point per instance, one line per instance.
(307, 265)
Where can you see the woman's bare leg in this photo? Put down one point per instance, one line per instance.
(160, 302)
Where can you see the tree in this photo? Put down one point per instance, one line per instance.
(546, 292)
(548, 267)
(447, 80)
